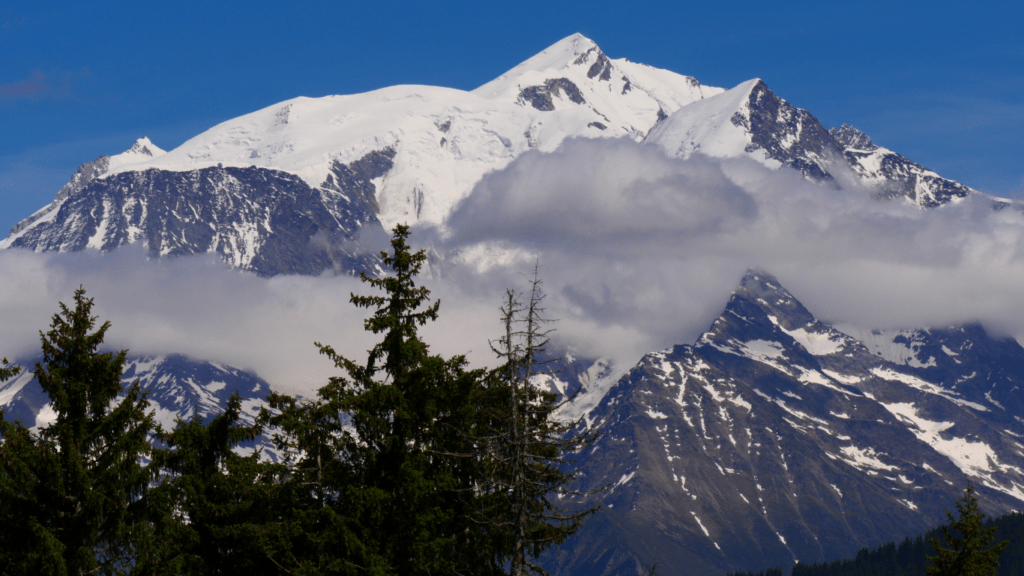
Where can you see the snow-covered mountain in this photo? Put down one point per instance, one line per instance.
(177, 387)
(773, 438)
(293, 188)
(776, 438)
(893, 176)
(264, 221)
(751, 120)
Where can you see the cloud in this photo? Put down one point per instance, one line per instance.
(33, 87)
(40, 84)
(641, 251)
(637, 252)
(199, 307)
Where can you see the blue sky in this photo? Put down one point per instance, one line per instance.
(940, 82)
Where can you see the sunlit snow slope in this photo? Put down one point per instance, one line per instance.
(354, 166)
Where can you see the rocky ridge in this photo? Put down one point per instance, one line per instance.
(776, 438)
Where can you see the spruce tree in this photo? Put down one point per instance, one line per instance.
(967, 552)
(322, 487)
(215, 511)
(386, 450)
(71, 493)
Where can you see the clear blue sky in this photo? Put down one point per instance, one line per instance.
(940, 82)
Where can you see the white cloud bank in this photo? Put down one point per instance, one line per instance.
(638, 252)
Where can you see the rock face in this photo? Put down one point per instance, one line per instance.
(751, 120)
(892, 175)
(543, 97)
(264, 221)
(82, 177)
(776, 438)
(786, 133)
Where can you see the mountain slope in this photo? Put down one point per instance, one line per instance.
(750, 120)
(259, 220)
(892, 175)
(776, 438)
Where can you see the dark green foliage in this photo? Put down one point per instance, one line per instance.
(71, 496)
(968, 552)
(215, 512)
(408, 464)
(387, 452)
(321, 486)
(6, 371)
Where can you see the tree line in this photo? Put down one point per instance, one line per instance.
(968, 545)
(408, 463)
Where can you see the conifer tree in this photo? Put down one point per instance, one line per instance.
(383, 449)
(71, 494)
(6, 371)
(322, 488)
(530, 450)
(967, 552)
(214, 511)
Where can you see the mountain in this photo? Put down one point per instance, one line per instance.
(776, 438)
(750, 120)
(177, 387)
(893, 176)
(263, 221)
(310, 184)
(773, 438)
(88, 172)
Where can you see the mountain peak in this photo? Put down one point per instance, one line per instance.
(144, 147)
(576, 49)
(757, 283)
(561, 54)
(142, 150)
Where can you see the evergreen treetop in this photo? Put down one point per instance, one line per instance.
(6, 371)
(967, 551)
(387, 448)
(527, 448)
(71, 495)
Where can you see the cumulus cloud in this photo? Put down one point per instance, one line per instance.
(637, 252)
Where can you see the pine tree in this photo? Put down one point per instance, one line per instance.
(71, 494)
(967, 553)
(529, 449)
